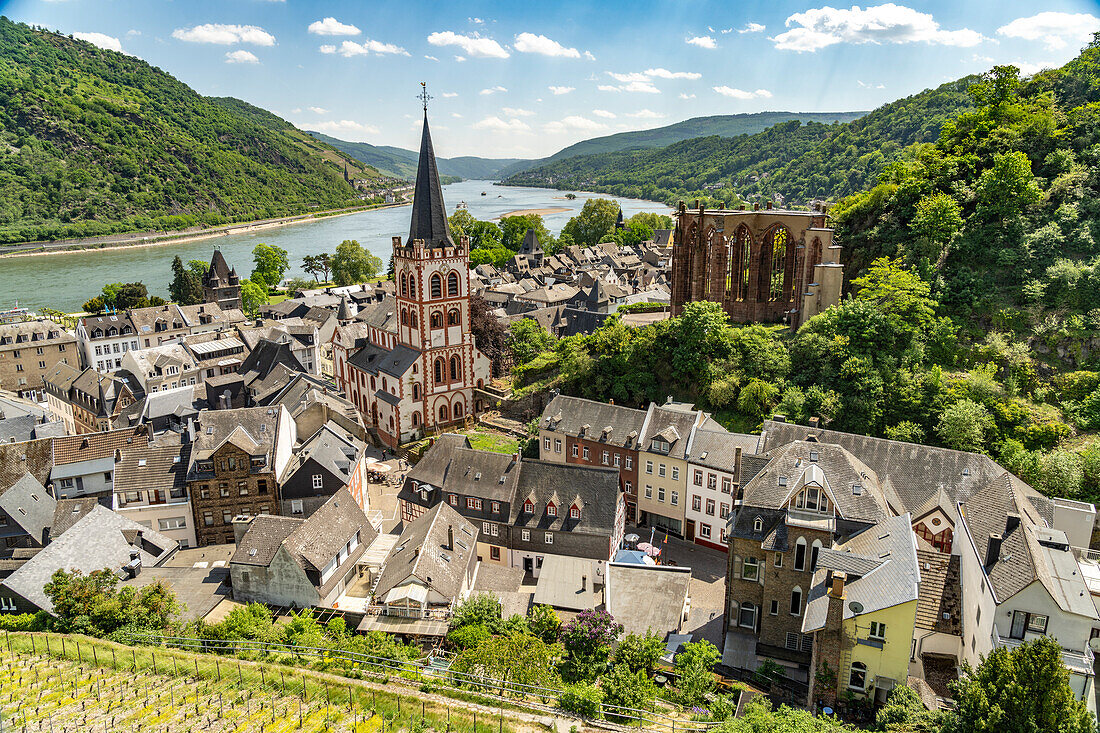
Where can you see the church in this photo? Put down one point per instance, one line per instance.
(409, 361)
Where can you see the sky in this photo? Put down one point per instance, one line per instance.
(524, 79)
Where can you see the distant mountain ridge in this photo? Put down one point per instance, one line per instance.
(96, 142)
(401, 163)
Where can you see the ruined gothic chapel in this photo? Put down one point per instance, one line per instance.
(762, 266)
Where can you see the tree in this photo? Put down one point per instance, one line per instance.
(489, 333)
(482, 609)
(123, 296)
(513, 658)
(527, 340)
(938, 220)
(514, 229)
(198, 268)
(317, 265)
(93, 604)
(596, 220)
(352, 264)
(253, 295)
(904, 711)
(759, 717)
(964, 424)
(898, 292)
(624, 688)
(694, 665)
(583, 698)
(185, 288)
(640, 652)
(588, 638)
(544, 623)
(1007, 188)
(757, 398)
(271, 263)
(1019, 690)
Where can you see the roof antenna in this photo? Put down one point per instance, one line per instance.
(424, 96)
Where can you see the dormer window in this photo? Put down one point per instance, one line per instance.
(660, 445)
(813, 456)
(551, 510)
(574, 512)
(528, 507)
(758, 525)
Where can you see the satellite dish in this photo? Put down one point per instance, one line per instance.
(855, 607)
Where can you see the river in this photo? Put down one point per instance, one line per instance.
(66, 281)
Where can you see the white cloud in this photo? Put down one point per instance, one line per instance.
(100, 39)
(888, 23)
(449, 95)
(460, 59)
(456, 115)
(1055, 30)
(327, 48)
(225, 35)
(726, 91)
(531, 43)
(516, 112)
(1027, 69)
(332, 27)
(496, 124)
(430, 58)
(473, 45)
(574, 123)
(240, 56)
(318, 110)
(604, 113)
(702, 42)
(560, 90)
(640, 86)
(607, 88)
(749, 28)
(476, 21)
(133, 32)
(666, 74)
(632, 76)
(344, 126)
(492, 90)
(349, 49)
(870, 85)
(645, 114)
(686, 96)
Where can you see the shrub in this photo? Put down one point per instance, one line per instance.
(23, 622)
(468, 637)
(582, 698)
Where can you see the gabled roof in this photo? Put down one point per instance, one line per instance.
(381, 314)
(94, 446)
(321, 536)
(453, 466)
(149, 467)
(566, 414)
(543, 482)
(30, 506)
(376, 359)
(263, 539)
(429, 213)
(717, 449)
(336, 452)
(250, 425)
(660, 418)
(422, 553)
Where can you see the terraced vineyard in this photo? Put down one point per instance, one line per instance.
(60, 684)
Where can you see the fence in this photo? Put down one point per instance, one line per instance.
(531, 697)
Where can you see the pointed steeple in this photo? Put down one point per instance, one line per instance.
(619, 223)
(429, 214)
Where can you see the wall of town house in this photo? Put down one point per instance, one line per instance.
(253, 502)
(720, 506)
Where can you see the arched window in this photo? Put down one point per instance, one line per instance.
(436, 319)
(813, 555)
(404, 317)
(713, 241)
(412, 319)
(416, 391)
(796, 601)
(857, 677)
(453, 318)
(758, 525)
(452, 284)
(415, 419)
(439, 371)
(437, 285)
(780, 239)
(734, 248)
(404, 284)
(443, 413)
(744, 239)
(459, 410)
(456, 369)
(800, 554)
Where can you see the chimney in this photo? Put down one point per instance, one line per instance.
(737, 465)
(994, 551)
(1012, 521)
(768, 205)
(756, 206)
(836, 587)
(241, 523)
(815, 422)
(779, 418)
(450, 537)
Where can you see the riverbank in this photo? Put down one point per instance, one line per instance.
(151, 239)
(533, 212)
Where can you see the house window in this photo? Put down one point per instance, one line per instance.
(453, 499)
(172, 523)
(548, 538)
(551, 510)
(813, 555)
(618, 460)
(710, 507)
(712, 481)
(675, 498)
(857, 678)
(494, 552)
(698, 478)
(648, 491)
(557, 445)
(746, 617)
(606, 458)
(696, 504)
(758, 525)
(727, 485)
(525, 535)
(261, 486)
(586, 453)
(660, 493)
(223, 489)
(800, 554)
(704, 531)
(661, 470)
(649, 466)
(629, 463)
(208, 519)
(777, 560)
(796, 601)
(751, 569)
(227, 516)
(296, 506)
(878, 631)
(528, 507)
(574, 513)
(496, 507)
(318, 481)
(546, 443)
(774, 609)
(1037, 624)
(576, 449)
(675, 473)
(724, 511)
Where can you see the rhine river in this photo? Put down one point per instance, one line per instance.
(66, 281)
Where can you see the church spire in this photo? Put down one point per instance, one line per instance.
(429, 213)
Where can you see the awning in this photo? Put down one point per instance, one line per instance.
(417, 593)
(399, 625)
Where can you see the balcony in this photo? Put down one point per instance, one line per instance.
(811, 520)
(1077, 662)
(435, 614)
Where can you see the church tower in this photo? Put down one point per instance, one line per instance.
(432, 273)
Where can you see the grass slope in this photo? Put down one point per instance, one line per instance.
(95, 142)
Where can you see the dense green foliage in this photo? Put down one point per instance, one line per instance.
(800, 161)
(186, 287)
(94, 142)
(93, 604)
(352, 264)
(122, 296)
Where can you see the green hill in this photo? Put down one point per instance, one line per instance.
(401, 163)
(798, 159)
(94, 142)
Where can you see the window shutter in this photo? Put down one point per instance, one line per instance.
(736, 566)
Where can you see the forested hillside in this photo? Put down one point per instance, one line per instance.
(94, 142)
(800, 161)
(402, 163)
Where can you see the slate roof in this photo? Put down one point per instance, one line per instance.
(559, 584)
(264, 537)
(453, 466)
(68, 512)
(152, 468)
(382, 315)
(265, 357)
(662, 417)
(100, 539)
(429, 213)
(30, 506)
(320, 537)
(718, 449)
(541, 481)
(255, 425)
(422, 552)
(568, 415)
(178, 402)
(334, 451)
(375, 359)
(28, 427)
(887, 553)
(219, 272)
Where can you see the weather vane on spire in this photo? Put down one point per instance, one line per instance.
(424, 96)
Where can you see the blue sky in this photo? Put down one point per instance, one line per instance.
(525, 79)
